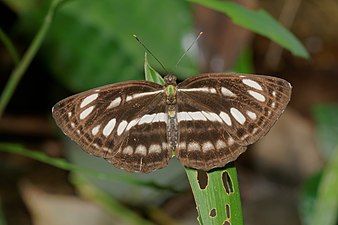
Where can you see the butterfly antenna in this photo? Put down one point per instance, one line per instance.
(186, 51)
(145, 47)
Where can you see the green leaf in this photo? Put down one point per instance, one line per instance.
(63, 164)
(258, 21)
(91, 42)
(218, 199)
(150, 73)
(326, 207)
(244, 62)
(327, 127)
(308, 197)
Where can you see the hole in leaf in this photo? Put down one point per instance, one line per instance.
(227, 210)
(227, 182)
(202, 178)
(212, 212)
(226, 223)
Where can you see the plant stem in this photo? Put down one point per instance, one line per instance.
(9, 45)
(21, 68)
(63, 164)
(219, 201)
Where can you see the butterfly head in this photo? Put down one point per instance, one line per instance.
(170, 80)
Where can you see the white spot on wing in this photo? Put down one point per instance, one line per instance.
(255, 130)
(132, 124)
(69, 114)
(88, 100)
(273, 105)
(141, 149)
(197, 116)
(155, 148)
(207, 146)
(86, 112)
(116, 102)
(252, 115)
(128, 150)
(274, 93)
(72, 125)
(183, 116)
(257, 95)
(148, 118)
(252, 84)
(237, 115)
(227, 92)
(220, 144)
(194, 146)
(212, 116)
(226, 118)
(96, 129)
(121, 127)
(138, 95)
(230, 141)
(160, 117)
(182, 146)
(203, 89)
(109, 127)
(129, 97)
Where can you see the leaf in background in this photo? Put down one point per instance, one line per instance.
(151, 74)
(326, 206)
(308, 198)
(91, 42)
(120, 212)
(244, 63)
(65, 165)
(259, 22)
(327, 127)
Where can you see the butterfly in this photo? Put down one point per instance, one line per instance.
(205, 121)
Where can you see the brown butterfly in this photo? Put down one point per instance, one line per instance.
(206, 121)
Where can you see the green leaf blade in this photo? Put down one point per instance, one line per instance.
(150, 73)
(326, 207)
(214, 196)
(259, 22)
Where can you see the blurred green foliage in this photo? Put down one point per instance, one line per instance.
(64, 165)
(258, 21)
(326, 117)
(319, 198)
(91, 44)
(326, 205)
(111, 205)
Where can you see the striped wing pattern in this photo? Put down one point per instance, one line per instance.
(225, 113)
(217, 116)
(109, 122)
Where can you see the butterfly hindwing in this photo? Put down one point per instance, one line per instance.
(144, 147)
(241, 108)
(204, 143)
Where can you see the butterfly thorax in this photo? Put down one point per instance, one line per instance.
(172, 125)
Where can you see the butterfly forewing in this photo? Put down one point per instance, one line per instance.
(239, 108)
(101, 120)
(144, 148)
